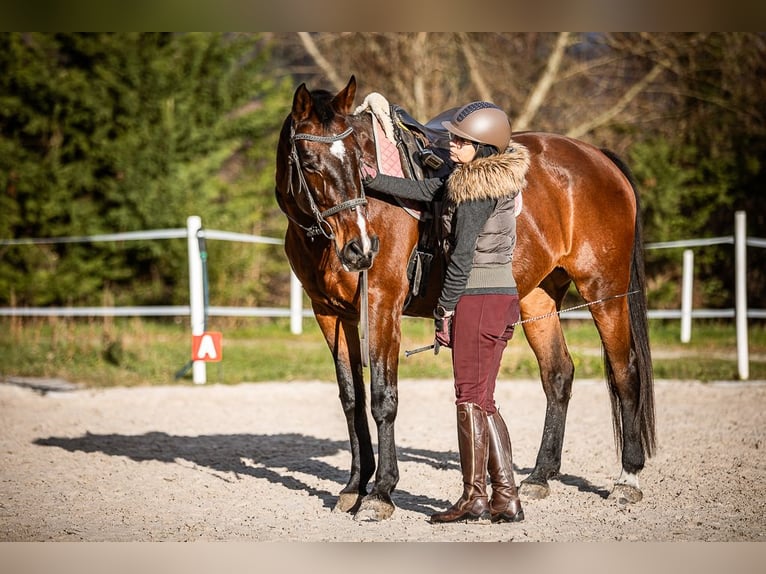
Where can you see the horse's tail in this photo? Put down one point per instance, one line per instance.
(639, 331)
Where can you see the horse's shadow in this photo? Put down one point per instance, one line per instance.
(276, 458)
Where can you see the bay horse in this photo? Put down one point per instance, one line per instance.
(580, 224)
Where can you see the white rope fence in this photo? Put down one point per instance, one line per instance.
(198, 309)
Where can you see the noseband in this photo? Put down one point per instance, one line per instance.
(321, 227)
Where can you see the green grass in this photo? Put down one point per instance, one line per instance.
(129, 352)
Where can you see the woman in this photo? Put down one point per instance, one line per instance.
(478, 304)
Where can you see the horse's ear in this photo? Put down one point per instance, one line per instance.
(302, 103)
(343, 103)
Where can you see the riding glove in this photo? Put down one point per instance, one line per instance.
(443, 331)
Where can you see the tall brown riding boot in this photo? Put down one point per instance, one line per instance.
(504, 506)
(473, 447)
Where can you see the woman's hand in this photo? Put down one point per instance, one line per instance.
(369, 173)
(442, 328)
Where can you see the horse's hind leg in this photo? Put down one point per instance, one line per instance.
(613, 323)
(556, 372)
(348, 371)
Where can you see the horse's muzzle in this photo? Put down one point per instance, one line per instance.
(358, 255)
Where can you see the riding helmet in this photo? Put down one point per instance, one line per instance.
(482, 122)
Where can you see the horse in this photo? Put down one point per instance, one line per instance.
(350, 249)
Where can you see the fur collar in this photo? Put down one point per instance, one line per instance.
(492, 177)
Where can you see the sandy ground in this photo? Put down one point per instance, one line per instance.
(265, 462)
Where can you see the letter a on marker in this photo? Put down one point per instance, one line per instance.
(207, 347)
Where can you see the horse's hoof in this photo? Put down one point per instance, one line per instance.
(534, 490)
(374, 509)
(626, 494)
(348, 502)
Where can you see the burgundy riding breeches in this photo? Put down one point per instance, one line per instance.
(481, 328)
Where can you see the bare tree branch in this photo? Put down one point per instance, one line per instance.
(326, 67)
(543, 86)
(473, 68)
(418, 87)
(622, 103)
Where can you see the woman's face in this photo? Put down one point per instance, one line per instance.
(461, 150)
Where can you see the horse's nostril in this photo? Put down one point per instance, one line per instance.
(356, 257)
(356, 248)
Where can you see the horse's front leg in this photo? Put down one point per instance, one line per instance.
(344, 345)
(384, 403)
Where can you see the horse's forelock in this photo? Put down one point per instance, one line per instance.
(323, 106)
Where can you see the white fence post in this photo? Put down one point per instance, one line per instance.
(686, 296)
(196, 292)
(296, 305)
(740, 285)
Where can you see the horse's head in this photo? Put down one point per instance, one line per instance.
(319, 182)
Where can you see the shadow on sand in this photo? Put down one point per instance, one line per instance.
(275, 458)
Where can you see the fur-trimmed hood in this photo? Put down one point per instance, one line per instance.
(495, 176)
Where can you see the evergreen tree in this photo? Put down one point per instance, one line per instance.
(708, 163)
(103, 133)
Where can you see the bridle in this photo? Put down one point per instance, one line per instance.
(321, 227)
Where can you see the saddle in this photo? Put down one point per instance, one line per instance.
(424, 148)
(423, 151)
